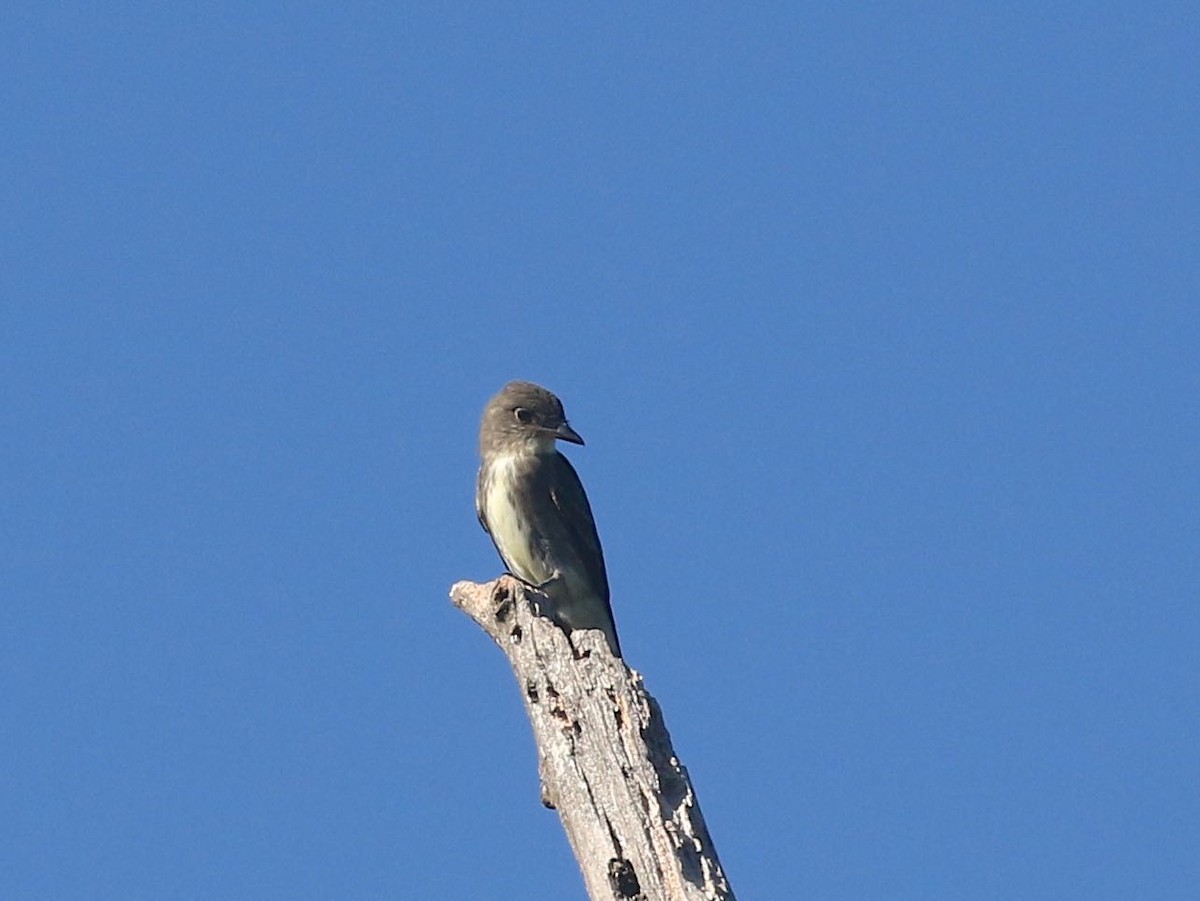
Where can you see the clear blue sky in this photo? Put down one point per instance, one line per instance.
(882, 324)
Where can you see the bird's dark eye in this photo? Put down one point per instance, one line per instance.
(523, 415)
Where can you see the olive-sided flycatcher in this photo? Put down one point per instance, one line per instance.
(531, 502)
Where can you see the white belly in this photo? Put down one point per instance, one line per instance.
(510, 529)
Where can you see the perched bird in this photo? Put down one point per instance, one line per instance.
(532, 504)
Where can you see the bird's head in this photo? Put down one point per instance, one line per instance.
(525, 416)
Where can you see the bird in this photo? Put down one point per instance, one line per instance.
(530, 501)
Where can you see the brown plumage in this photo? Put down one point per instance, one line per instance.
(530, 501)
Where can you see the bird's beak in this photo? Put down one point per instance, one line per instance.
(566, 433)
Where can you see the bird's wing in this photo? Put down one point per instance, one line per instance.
(565, 489)
(479, 489)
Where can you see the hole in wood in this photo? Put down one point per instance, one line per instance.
(623, 879)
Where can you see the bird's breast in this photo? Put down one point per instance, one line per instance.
(507, 509)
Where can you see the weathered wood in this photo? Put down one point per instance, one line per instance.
(604, 755)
